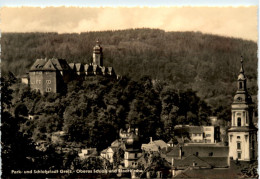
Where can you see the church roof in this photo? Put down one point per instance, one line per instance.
(242, 129)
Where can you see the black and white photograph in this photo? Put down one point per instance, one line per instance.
(129, 91)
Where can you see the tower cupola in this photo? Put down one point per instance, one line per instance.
(242, 95)
(97, 54)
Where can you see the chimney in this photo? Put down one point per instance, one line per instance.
(151, 139)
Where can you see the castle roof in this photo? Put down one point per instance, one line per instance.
(38, 64)
(51, 64)
(72, 65)
(78, 67)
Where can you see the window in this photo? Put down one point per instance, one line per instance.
(197, 154)
(246, 119)
(48, 89)
(238, 121)
(208, 135)
(48, 81)
(210, 154)
(240, 85)
(246, 137)
(195, 134)
(231, 138)
(238, 145)
(239, 155)
(238, 137)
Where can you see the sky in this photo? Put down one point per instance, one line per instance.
(156, 3)
(238, 21)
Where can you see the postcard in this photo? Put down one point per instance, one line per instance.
(129, 90)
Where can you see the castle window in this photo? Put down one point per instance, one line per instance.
(197, 154)
(238, 121)
(239, 146)
(48, 89)
(48, 81)
(38, 81)
(238, 137)
(231, 138)
(210, 154)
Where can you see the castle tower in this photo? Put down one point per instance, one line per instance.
(97, 54)
(242, 134)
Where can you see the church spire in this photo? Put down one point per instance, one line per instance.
(242, 95)
(242, 68)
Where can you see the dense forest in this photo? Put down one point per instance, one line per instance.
(90, 113)
(207, 64)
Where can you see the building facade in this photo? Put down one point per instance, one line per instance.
(199, 134)
(242, 133)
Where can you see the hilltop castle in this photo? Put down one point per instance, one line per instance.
(51, 75)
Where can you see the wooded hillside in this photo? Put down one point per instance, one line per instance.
(205, 63)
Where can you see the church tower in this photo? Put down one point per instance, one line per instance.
(97, 54)
(242, 134)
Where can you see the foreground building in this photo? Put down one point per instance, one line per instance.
(242, 134)
(199, 134)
